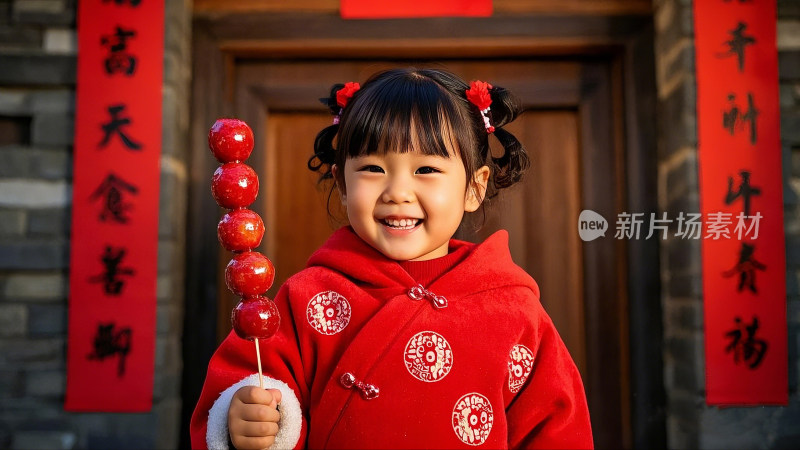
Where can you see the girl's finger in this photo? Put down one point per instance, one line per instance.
(259, 429)
(260, 413)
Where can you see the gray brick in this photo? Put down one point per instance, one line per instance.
(733, 427)
(38, 439)
(14, 351)
(674, 21)
(12, 223)
(59, 101)
(677, 127)
(166, 385)
(684, 316)
(49, 222)
(47, 320)
(168, 353)
(168, 413)
(164, 288)
(44, 12)
(34, 194)
(788, 9)
(168, 257)
(683, 254)
(682, 179)
(15, 102)
(14, 162)
(793, 311)
(793, 251)
(53, 129)
(13, 320)
(169, 319)
(172, 205)
(51, 286)
(687, 204)
(47, 383)
(60, 40)
(788, 95)
(11, 384)
(34, 255)
(792, 285)
(27, 102)
(37, 69)
(790, 126)
(789, 65)
(795, 161)
(20, 37)
(25, 162)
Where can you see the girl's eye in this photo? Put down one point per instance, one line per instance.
(427, 170)
(371, 168)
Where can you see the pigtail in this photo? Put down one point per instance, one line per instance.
(324, 153)
(511, 166)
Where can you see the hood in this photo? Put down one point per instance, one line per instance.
(487, 266)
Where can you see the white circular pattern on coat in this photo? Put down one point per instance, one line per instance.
(428, 356)
(520, 363)
(473, 418)
(328, 312)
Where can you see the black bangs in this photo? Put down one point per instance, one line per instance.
(401, 111)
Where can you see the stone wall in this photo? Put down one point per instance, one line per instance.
(37, 106)
(690, 423)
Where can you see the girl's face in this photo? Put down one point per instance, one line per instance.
(409, 205)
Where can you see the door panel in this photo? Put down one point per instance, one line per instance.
(541, 214)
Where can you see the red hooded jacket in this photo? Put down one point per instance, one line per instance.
(366, 358)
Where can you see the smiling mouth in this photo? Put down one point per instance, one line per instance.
(401, 224)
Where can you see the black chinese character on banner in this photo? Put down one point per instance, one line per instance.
(112, 278)
(115, 125)
(111, 190)
(734, 119)
(133, 3)
(120, 60)
(746, 268)
(749, 350)
(109, 342)
(736, 45)
(745, 191)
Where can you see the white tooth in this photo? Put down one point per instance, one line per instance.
(403, 223)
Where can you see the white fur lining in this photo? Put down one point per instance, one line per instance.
(289, 425)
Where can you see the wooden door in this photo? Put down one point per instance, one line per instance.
(565, 126)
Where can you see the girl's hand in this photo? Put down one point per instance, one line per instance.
(253, 417)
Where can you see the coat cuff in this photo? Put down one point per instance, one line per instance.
(289, 425)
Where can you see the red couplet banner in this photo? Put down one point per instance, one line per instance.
(113, 253)
(371, 9)
(744, 278)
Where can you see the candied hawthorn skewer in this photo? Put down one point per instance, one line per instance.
(249, 274)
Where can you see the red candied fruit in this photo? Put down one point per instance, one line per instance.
(234, 185)
(255, 318)
(230, 140)
(249, 274)
(240, 230)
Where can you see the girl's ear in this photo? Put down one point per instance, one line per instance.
(477, 191)
(335, 173)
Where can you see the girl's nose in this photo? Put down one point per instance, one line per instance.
(398, 190)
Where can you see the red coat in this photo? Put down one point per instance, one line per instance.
(368, 362)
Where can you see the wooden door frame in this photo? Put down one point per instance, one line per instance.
(617, 91)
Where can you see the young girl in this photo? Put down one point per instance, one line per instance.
(397, 335)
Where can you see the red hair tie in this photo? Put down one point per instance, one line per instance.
(478, 95)
(343, 96)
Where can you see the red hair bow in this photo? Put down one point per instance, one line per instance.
(478, 95)
(344, 94)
